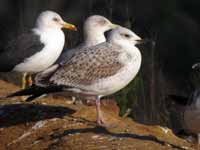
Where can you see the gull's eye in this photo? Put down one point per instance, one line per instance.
(126, 35)
(55, 19)
(102, 22)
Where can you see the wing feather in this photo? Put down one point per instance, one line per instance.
(19, 49)
(88, 65)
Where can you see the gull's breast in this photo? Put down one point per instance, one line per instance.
(123, 77)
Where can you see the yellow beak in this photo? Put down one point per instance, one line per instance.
(115, 26)
(69, 26)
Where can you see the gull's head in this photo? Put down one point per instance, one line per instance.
(196, 66)
(123, 36)
(52, 20)
(97, 23)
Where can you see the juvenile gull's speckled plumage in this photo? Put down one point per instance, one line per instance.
(95, 71)
(89, 65)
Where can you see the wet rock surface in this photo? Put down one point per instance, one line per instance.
(56, 124)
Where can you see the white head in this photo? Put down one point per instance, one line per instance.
(94, 28)
(123, 37)
(52, 20)
(196, 66)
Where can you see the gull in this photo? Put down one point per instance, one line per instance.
(37, 49)
(94, 28)
(95, 71)
(191, 111)
(196, 65)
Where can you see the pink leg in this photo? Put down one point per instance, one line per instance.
(98, 111)
(99, 118)
(100, 121)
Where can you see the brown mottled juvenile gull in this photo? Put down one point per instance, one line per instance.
(95, 71)
(93, 31)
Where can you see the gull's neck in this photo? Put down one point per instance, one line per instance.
(196, 99)
(51, 37)
(93, 37)
(122, 44)
(198, 103)
(130, 54)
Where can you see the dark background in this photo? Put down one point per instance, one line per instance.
(173, 25)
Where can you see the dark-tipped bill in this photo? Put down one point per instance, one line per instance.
(143, 41)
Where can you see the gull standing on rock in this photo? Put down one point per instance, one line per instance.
(95, 71)
(38, 49)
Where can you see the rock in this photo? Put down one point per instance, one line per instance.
(62, 126)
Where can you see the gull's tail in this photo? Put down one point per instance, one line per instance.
(35, 91)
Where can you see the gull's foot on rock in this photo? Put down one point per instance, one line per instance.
(101, 123)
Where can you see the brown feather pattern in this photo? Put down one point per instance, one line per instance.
(88, 65)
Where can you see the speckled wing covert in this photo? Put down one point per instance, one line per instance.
(87, 66)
